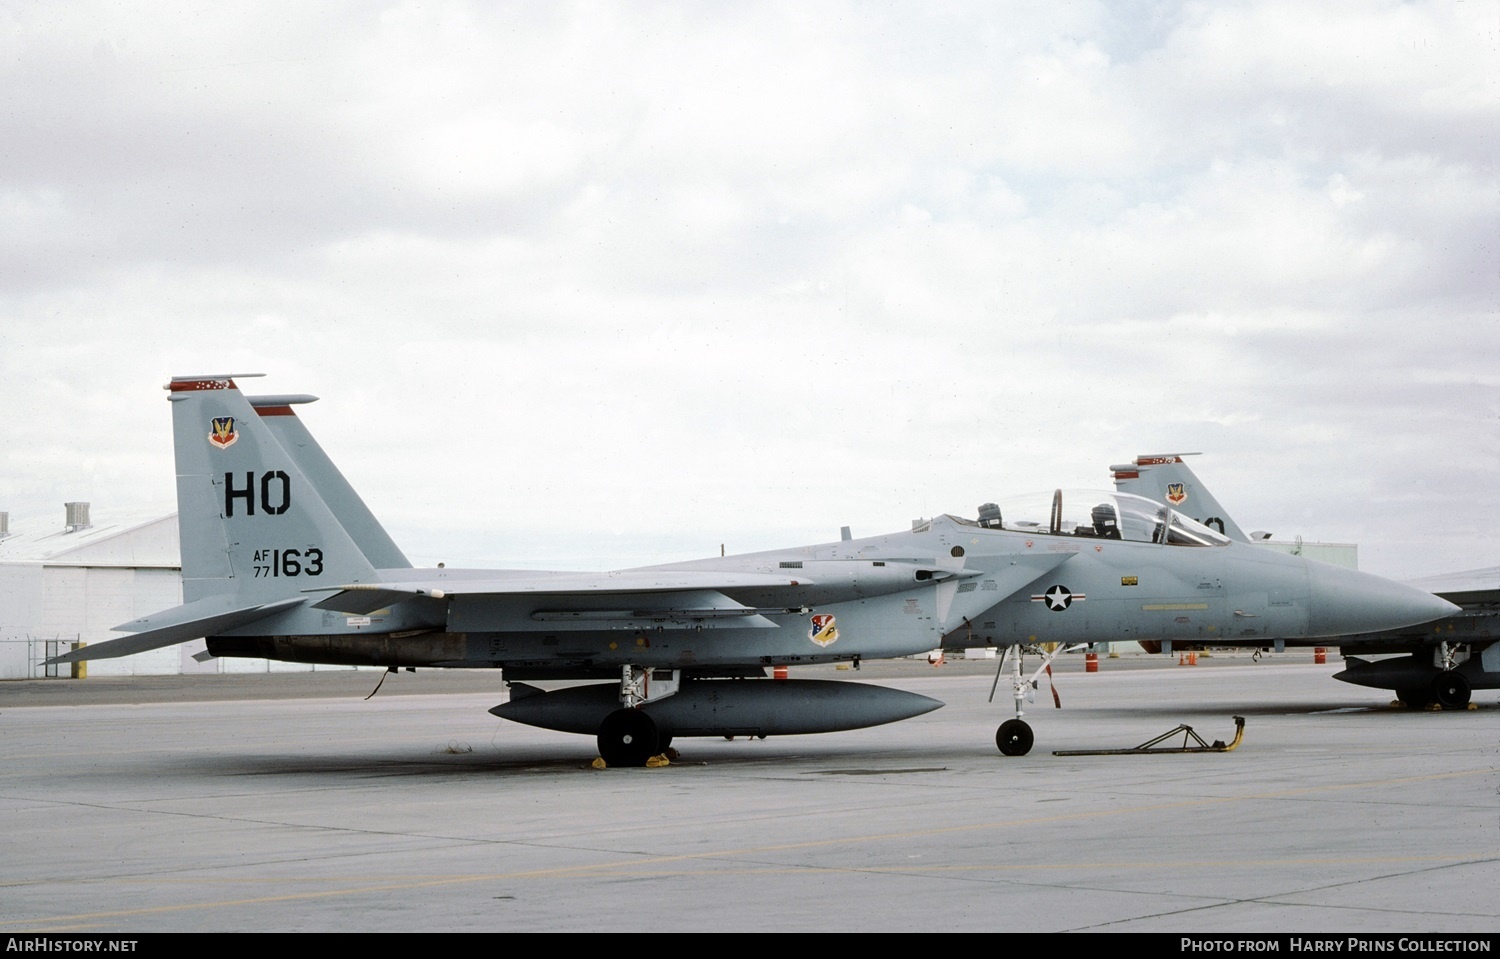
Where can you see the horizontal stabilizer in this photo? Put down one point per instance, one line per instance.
(178, 625)
(361, 598)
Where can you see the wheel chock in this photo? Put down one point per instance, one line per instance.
(655, 762)
(1152, 746)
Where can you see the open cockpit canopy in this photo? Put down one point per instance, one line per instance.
(1097, 515)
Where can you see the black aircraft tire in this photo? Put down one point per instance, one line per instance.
(1014, 738)
(1451, 690)
(1415, 697)
(627, 737)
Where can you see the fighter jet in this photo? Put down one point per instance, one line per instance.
(281, 560)
(1437, 662)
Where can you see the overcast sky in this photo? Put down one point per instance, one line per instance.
(600, 285)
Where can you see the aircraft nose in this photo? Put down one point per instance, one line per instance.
(1346, 601)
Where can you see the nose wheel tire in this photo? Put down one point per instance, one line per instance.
(1014, 738)
(1451, 690)
(628, 737)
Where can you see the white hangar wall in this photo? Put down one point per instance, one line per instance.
(74, 581)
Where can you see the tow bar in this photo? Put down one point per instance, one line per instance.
(1151, 745)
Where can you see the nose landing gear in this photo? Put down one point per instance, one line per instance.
(1014, 737)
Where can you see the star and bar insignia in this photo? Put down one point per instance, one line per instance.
(1058, 598)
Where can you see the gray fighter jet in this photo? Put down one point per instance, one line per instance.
(281, 560)
(1437, 662)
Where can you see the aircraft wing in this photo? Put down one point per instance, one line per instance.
(1469, 588)
(363, 598)
(204, 617)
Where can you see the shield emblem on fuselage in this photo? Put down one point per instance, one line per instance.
(824, 631)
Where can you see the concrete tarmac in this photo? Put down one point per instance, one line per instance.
(417, 811)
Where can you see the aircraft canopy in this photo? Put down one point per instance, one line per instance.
(1099, 515)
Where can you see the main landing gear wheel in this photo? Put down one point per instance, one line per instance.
(627, 737)
(1014, 738)
(1451, 690)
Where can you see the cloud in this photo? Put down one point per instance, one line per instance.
(589, 275)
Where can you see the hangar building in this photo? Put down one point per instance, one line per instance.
(72, 582)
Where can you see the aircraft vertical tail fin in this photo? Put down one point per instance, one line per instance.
(348, 508)
(263, 516)
(1167, 479)
(252, 519)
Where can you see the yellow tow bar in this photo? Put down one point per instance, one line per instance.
(1153, 746)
